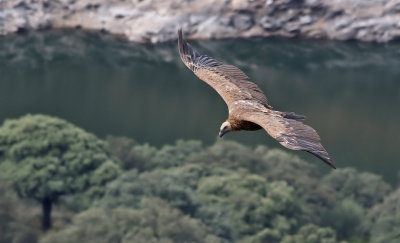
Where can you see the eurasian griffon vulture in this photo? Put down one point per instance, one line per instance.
(248, 106)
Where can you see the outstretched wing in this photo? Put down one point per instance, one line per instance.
(290, 133)
(229, 81)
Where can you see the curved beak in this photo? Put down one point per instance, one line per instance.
(222, 132)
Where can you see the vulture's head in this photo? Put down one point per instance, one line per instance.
(225, 128)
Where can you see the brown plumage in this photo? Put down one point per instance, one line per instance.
(248, 106)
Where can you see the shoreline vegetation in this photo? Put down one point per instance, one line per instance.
(155, 21)
(119, 190)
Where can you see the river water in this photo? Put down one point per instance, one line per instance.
(350, 92)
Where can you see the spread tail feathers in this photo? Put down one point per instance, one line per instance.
(294, 116)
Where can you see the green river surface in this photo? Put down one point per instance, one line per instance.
(350, 92)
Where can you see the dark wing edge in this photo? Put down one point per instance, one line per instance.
(291, 134)
(186, 52)
(193, 60)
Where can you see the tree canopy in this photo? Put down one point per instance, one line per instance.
(383, 220)
(153, 221)
(47, 157)
(187, 191)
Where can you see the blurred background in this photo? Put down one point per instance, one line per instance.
(106, 136)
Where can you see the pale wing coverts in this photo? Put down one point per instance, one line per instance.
(229, 81)
(248, 104)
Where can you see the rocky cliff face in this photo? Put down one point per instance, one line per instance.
(154, 21)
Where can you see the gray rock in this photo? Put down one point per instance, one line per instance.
(305, 20)
(392, 7)
(153, 21)
(292, 27)
(270, 23)
(243, 21)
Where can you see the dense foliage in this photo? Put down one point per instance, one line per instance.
(383, 221)
(47, 157)
(154, 221)
(189, 192)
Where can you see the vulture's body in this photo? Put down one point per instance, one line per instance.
(248, 106)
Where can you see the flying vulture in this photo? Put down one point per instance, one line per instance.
(248, 106)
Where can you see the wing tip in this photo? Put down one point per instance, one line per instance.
(185, 50)
(330, 162)
(324, 157)
(180, 35)
(180, 41)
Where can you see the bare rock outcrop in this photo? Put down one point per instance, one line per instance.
(154, 21)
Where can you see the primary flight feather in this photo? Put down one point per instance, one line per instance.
(248, 106)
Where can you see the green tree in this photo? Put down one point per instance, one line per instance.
(383, 220)
(247, 194)
(365, 188)
(154, 221)
(312, 234)
(345, 218)
(46, 157)
(255, 205)
(274, 165)
(131, 154)
(228, 155)
(387, 229)
(7, 214)
(316, 197)
(17, 220)
(177, 186)
(144, 157)
(129, 189)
